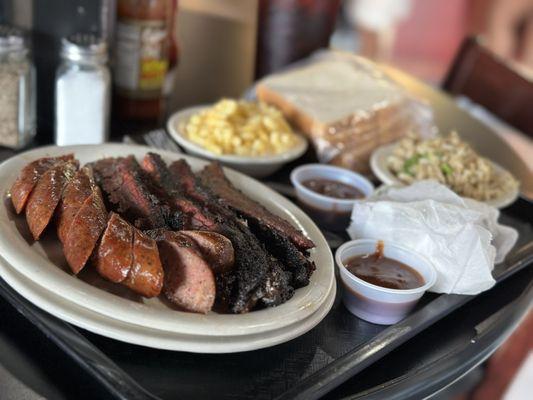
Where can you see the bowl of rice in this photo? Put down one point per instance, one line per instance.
(448, 160)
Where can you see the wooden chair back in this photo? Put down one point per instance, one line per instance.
(493, 83)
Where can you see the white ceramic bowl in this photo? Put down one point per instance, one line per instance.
(375, 303)
(330, 212)
(257, 167)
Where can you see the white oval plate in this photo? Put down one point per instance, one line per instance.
(378, 164)
(257, 166)
(43, 263)
(144, 336)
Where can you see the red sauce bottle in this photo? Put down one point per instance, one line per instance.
(141, 58)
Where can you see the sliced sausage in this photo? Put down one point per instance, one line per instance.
(30, 174)
(146, 273)
(85, 230)
(74, 195)
(216, 249)
(114, 255)
(189, 281)
(45, 196)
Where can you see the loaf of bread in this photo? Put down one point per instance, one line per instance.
(347, 110)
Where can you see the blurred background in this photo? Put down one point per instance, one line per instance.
(257, 37)
(218, 48)
(422, 37)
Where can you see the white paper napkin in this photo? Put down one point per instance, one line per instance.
(460, 236)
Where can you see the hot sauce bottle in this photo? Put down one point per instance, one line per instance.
(141, 58)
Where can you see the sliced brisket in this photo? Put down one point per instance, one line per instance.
(212, 176)
(253, 265)
(195, 216)
(270, 229)
(280, 247)
(277, 287)
(127, 189)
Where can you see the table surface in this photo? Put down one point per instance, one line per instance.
(31, 366)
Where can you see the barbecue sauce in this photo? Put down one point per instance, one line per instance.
(382, 271)
(335, 189)
(142, 45)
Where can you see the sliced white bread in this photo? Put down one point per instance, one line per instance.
(331, 96)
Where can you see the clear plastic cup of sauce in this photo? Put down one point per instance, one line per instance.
(374, 303)
(325, 202)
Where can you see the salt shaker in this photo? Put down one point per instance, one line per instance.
(82, 91)
(17, 90)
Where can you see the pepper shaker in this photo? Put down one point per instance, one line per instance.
(17, 90)
(82, 91)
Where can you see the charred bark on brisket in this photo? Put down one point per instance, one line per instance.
(213, 177)
(277, 237)
(279, 246)
(255, 276)
(128, 191)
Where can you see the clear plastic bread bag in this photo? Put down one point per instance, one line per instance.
(368, 109)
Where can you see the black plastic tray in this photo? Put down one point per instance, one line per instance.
(306, 367)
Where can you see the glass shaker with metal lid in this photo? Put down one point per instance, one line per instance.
(17, 89)
(82, 91)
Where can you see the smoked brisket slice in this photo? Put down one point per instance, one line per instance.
(277, 287)
(255, 269)
(28, 177)
(212, 176)
(127, 190)
(249, 281)
(279, 242)
(280, 247)
(195, 216)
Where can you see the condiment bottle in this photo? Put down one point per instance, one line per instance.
(82, 91)
(17, 90)
(141, 58)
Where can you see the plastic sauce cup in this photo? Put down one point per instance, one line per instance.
(328, 212)
(378, 304)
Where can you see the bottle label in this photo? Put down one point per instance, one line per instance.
(141, 60)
